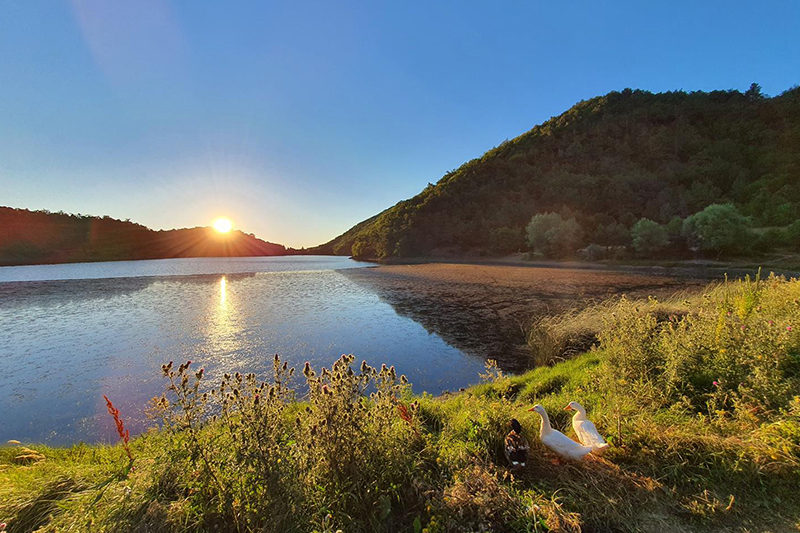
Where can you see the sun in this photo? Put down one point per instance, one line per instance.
(223, 225)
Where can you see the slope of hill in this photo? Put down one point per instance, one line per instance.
(607, 162)
(36, 237)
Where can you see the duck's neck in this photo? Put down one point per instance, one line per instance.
(580, 414)
(546, 428)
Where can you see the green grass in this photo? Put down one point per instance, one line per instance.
(687, 454)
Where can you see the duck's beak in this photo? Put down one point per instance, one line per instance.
(532, 409)
(568, 408)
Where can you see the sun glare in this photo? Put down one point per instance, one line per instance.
(223, 225)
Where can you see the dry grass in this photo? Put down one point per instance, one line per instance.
(686, 455)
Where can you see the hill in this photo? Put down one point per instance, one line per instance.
(36, 237)
(607, 163)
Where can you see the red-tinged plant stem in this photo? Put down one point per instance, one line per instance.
(123, 433)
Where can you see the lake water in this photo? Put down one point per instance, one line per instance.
(71, 333)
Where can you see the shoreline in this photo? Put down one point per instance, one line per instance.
(487, 310)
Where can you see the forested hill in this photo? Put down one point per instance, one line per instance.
(605, 164)
(35, 237)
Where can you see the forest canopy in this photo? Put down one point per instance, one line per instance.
(607, 164)
(30, 237)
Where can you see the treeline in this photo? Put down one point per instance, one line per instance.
(36, 237)
(718, 230)
(616, 166)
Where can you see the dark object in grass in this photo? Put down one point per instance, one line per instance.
(516, 446)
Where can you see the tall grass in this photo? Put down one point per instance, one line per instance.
(699, 397)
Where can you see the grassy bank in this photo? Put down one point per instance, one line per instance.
(700, 398)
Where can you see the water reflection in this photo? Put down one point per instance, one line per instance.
(66, 343)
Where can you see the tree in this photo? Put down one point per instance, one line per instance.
(613, 234)
(553, 236)
(718, 228)
(754, 93)
(649, 237)
(506, 240)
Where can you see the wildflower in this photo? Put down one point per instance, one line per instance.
(771, 322)
(788, 328)
(255, 400)
(307, 369)
(715, 383)
(124, 434)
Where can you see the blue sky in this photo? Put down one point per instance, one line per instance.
(298, 119)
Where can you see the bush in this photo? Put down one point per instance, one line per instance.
(507, 240)
(718, 228)
(594, 252)
(737, 350)
(344, 454)
(553, 236)
(773, 239)
(613, 234)
(649, 237)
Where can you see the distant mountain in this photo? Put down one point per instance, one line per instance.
(36, 237)
(607, 163)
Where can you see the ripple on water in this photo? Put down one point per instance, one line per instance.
(66, 342)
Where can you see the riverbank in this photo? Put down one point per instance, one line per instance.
(702, 410)
(487, 309)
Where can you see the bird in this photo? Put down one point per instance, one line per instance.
(585, 430)
(558, 442)
(516, 446)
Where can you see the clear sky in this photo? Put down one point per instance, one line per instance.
(298, 119)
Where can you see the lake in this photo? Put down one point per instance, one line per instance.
(71, 333)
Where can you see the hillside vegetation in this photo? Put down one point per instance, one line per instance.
(700, 400)
(596, 171)
(31, 237)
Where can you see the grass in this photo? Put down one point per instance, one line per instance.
(699, 397)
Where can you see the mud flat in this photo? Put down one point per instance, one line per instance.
(485, 309)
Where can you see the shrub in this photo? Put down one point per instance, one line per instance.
(613, 234)
(553, 236)
(507, 240)
(737, 350)
(718, 228)
(649, 237)
(773, 239)
(259, 466)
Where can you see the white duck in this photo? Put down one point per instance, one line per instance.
(585, 430)
(557, 441)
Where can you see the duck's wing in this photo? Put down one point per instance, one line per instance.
(565, 446)
(587, 433)
(516, 449)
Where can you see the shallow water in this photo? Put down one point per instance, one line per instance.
(71, 333)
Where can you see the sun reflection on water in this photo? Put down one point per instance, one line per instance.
(223, 331)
